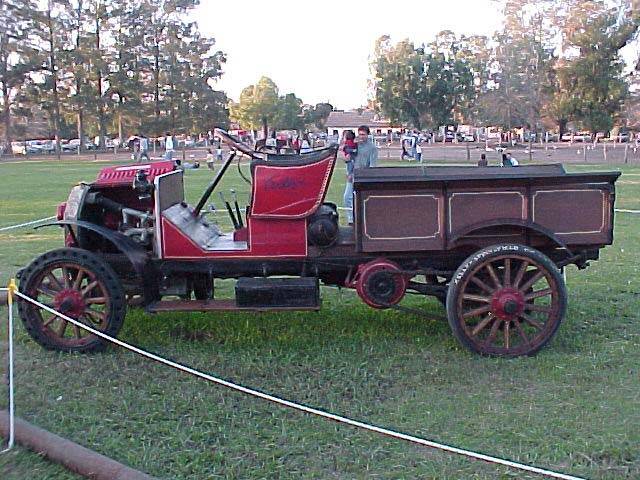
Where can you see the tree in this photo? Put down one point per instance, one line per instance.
(317, 115)
(258, 106)
(433, 85)
(521, 77)
(50, 30)
(592, 89)
(289, 113)
(400, 91)
(18, 57)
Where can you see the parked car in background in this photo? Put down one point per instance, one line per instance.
(18, 148)
(468, 137)
(34, 147)
(623, 136)
(576, 137)
(88, 144)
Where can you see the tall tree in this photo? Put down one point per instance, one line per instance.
(400, 91)
(76, 59)
(521, 76)
(18, 57)
(51, 31)
(289, 113)
(419, 86)
(592, 88)
(317, 115)
(258, 106)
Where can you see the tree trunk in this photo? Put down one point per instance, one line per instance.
(102, 131)
(562, 126)
(81, 128)
(54, 76)
(156, 80)
(6, 112)
(120, 132)
(265, 129)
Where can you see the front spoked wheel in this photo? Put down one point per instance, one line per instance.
(506, 300)
(80, 285)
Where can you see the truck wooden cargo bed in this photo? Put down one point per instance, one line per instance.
(441, 208)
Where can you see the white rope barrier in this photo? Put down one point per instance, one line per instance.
(625, 210)
(304, 408)
(12, 227)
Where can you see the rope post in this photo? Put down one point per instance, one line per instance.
(11, 290)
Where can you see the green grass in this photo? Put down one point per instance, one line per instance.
(574, 407)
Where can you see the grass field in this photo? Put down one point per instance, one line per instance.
(574, 407)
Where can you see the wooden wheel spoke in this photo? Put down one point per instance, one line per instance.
(538, 308)
(521, 331)
(507, 333)
(62, 328)
(46, 291)
(96, 300)
(479, 327)
(493, 275)
(78, 280)
(476, 311)
(529, 283)
(77, 331)
(538, 294)
(49, 321)
(88, 288)
(507, 272)
(476, 298)
(54, 281)
(520, 273)
(531, 321)
(66, 276)
(100, 316)
(482, 285)
(492, 334)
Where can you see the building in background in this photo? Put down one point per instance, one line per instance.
(339, 121)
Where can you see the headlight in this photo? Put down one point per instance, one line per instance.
(74, 201)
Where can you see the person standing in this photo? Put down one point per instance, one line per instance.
(305, 146)
(144, 148)
(483, 161)
(366, 157)
(210, 159)
(419, 152)
(168, 146)
(295, 144)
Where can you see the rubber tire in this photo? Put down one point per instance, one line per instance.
(88, 261)
(480, 257)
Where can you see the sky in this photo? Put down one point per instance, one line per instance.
(321, 50)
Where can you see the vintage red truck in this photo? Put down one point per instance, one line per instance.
(489, 242)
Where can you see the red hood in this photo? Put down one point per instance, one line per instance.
(124, 174)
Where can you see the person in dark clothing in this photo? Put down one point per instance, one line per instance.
(483, 161)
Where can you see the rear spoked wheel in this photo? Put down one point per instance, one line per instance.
(80, 285)
(506, 300)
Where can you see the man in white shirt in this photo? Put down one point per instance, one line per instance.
(168, 147)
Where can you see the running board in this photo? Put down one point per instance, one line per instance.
(222, 305)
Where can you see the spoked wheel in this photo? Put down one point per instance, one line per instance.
(78, 284)
(506, 300)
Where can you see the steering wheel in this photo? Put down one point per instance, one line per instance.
(234, 143)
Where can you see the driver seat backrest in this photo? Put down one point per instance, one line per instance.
(294, 160)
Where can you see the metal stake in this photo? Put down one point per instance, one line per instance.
(11, 290)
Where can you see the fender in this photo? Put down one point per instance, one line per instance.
(135, 253)
(513, 222)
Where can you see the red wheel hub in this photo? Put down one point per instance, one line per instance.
(507, 303)
(70, 302)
